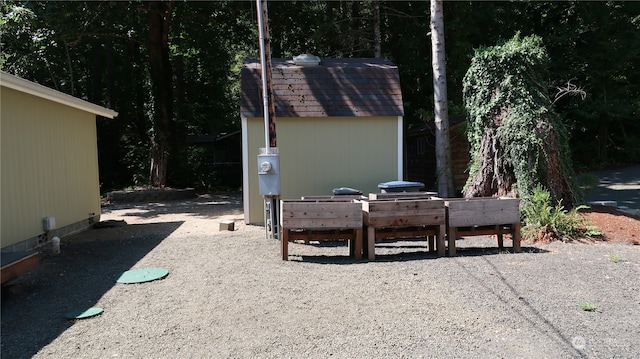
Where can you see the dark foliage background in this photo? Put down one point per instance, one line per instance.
(98, 51)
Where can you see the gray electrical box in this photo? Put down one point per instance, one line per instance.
(269, 172)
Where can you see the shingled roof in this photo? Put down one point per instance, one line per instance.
(335, 87)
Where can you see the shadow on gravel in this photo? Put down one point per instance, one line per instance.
(339, 259)
(484, 251)
(406, 256)
(415, 255)
(205, 206)
(401, 252)
(34, 305)
(503, 291)
(343, 259)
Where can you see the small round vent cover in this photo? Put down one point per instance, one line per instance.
(306, 60)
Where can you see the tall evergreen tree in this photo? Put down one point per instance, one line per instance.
(159, 16)
(443, 144)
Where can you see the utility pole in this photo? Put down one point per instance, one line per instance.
(268, 159)
(267, 91)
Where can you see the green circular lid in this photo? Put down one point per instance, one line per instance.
(83, 314)
(142, 275)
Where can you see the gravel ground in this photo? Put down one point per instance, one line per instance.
(229, 295)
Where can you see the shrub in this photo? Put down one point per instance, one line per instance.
(547, 222)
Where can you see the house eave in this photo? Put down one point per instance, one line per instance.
(32, 88)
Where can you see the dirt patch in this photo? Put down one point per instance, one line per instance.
(149, 195)
(616, 226)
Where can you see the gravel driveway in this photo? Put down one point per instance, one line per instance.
(229, 295)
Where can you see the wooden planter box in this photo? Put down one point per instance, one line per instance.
(483, 216)
(404, 218)
(322, 221)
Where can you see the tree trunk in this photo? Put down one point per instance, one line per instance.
(495, 175)
(354, 26)
(95, 80)
(377, 38)
(443, 144)
(558, 184)
(159, 21)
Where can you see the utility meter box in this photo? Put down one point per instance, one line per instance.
(269, 172)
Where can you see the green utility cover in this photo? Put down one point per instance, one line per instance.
(142, 275)
(83, 314)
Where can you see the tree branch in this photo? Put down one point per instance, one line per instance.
(105, 35)
(569, 89)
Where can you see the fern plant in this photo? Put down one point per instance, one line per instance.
(545, 221)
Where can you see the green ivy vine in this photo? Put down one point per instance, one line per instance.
(505, 92)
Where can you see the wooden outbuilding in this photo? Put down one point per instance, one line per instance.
(421, 153)
(339, 123)
(49, 157)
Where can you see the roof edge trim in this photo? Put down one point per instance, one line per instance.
(38, 90)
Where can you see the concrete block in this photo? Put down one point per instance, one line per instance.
(227, 225)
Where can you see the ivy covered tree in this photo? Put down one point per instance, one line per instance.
(517, 140)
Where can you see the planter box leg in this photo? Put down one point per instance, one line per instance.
(451, 241)
(516, 237)
(499, 233)
(358, 244)
(440, 247)
(284, 241)
(371, 243)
